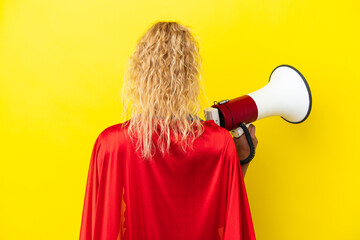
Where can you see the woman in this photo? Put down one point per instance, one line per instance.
(166, 173)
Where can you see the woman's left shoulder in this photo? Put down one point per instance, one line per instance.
(112, 132)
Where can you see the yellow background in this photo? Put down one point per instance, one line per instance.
(61, 69)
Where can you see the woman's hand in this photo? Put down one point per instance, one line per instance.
(243, 148)
(242, 145)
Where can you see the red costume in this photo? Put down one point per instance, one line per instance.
(197, 195)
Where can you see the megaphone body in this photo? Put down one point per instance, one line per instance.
(287, 95)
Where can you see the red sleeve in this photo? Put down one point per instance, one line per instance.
(238, 221)
(91, 192)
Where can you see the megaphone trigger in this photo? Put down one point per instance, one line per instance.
(237, 132)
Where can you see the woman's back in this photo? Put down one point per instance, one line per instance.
(198, 194)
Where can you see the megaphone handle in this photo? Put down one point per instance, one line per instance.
(250, 142)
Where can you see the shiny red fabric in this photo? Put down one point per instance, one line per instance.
(184, 196)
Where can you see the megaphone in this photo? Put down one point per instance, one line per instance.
(287, 94)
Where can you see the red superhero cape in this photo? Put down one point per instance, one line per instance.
(198, 195)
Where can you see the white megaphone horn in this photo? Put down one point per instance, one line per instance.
(287, 95)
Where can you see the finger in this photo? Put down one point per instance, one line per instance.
(255, 141)
(252, 130)
(240, 139)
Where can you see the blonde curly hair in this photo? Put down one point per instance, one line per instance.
(162, 81)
